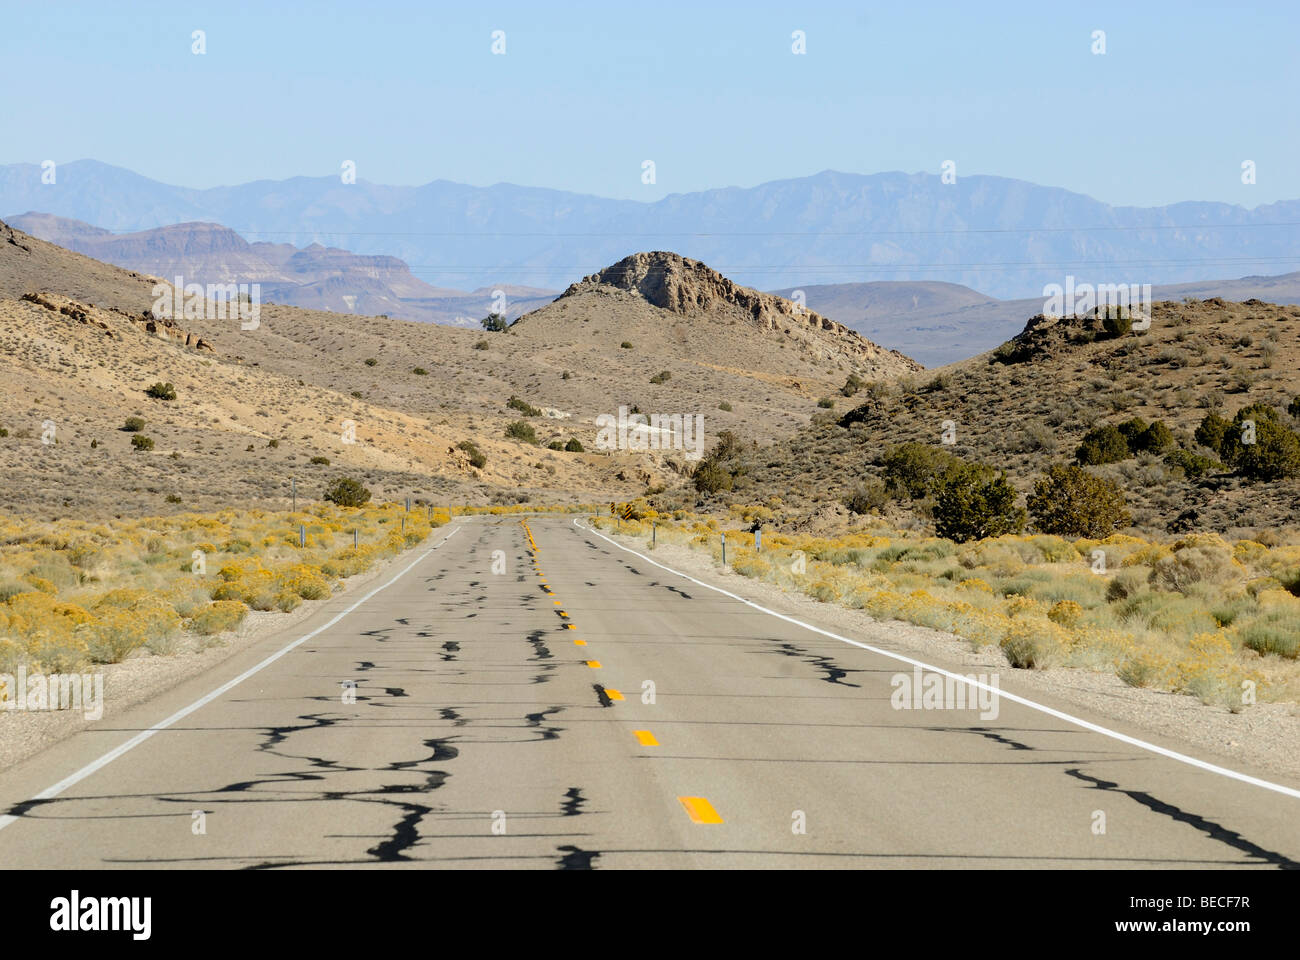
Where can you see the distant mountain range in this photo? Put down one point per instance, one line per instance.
(315, 277)
(1007, 238)
(934, 322)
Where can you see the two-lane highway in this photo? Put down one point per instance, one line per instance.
(567, 703)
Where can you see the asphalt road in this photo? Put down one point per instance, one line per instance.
(504, 719)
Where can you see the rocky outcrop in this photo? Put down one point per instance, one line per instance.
(89, 314)
(693, 289)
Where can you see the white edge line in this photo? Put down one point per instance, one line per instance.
(1087, 725)
(51, 792)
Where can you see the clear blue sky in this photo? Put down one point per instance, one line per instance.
(708, 90)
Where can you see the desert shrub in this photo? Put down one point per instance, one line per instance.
(1194, 560)
(218, 617)
(826, 403)
(724, 406)
(1104, 444)
(626, 344)
(852, 385)
(495, 323)
(370, 361)
(1192, 464)
(867, 496)
(1293, 408)
(347, 492)
(273, 443)
(1277, 632)
(574, 446)
(915, 469)
(556, 444)
(523, 406)
(663, 376)
(141, 442)
(161, 391)
(1118, 323)
(1011, 352)
(1070, 502)
(320, 461)
(420, 371)
(481, 345)
(1211, 432)
(518, 430)
(133, 424)
(477, 458)
(975, 502)
(1274, 455)
(126, 620)
(711, 477)
(1232, 446)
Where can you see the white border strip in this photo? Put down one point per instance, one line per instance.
(1095, 728)
(51, 792)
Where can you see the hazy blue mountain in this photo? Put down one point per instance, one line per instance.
(1005, 238)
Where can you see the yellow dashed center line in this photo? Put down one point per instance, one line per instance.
(594, 664)
(700, 810)
(579, 643)
(613, 694)
(646, 738)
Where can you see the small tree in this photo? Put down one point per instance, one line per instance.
(477, 458)
(1212, 430)
(141, 442)
(1274, 455)
(347, 492)
(573, 446)
(518, 430)
(976, 502)
(1104, 444)
(162, 391)
(1070, 502)
(495, 323)
(710, 477)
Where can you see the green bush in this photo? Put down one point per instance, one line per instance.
(1193, 465)
(724, 406)
(711, 477)
(852, 385)
(1104, 444)
(370, 361)
(518, 430)
(915, 469)
(1293, 408)
(133, 424)
(477, 458)
(524, 407)
(141, 442)
(162, 391)
(1117, 323)
(420, 372)
(347, 492)
(320, 461)
(663, 376)
(573, 446)
(556, 444)
(1213, 428)
(867, 496)
(826, 403)
(1154, 439)
(482, 345)
(495, 323)
(974, 502)
(1274, 455)
(626, 344)
(1071, 502)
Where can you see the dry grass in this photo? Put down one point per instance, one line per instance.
(73, 593)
